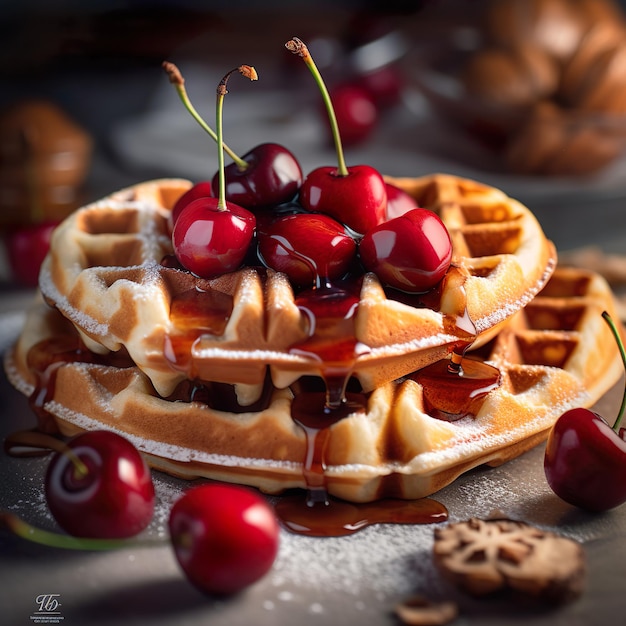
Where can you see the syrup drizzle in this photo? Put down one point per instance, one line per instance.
(455, 388)
(194, 313)
(332, 344)
(44, 360)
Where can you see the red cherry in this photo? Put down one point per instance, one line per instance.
(411, 252)
(585, 458)
(585, 461)
(399, 201)
(357, 199)
(209, 240)
(202, 189)
(307, 247)
(385, 84)
(357, 115)
(272, 176)
(114, 499)
(225, 537)
(26, 249)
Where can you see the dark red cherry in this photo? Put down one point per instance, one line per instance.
(111, 498)
(225, 537)
(209, 240)
(399, 201)
(272, 176)
(202, 189)
(357, 115)
(585, 461)
(585, 458)
(411, 252)
(357, 199)
(308, 247)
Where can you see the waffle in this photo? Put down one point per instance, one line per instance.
(554, 354)
(105, 274)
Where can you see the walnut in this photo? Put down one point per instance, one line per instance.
(418, 611)
(486, 556)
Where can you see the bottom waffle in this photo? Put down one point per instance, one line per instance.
(555, 354)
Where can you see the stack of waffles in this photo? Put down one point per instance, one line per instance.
(202, 375)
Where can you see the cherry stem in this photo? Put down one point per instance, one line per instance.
(298, 47)
(43, 537)
(248, 72)
(620, 345)
(176, 78)
(42, 441)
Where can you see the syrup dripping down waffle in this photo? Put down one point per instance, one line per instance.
(554, 354)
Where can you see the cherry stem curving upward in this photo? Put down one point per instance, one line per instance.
(298, 47)
(176, 78)
(43, 537)
(249, 72)
(620, 345)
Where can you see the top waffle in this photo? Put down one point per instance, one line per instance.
(105, 274)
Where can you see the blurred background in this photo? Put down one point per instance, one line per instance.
(527, 95)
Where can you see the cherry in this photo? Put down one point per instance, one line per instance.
(210, 241)
(357, 115)
(212, 236)
(272, 176)
(585, 458)
(26, 248)
(203, 189)
(225, 537)
(411, 252)
(308, 247)
(399, 201)
(354, 196)
(385, 84)
(267, 175)
(101, 488)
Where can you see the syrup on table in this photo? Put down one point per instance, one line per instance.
(333, 345)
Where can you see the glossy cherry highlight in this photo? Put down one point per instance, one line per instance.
(585, 458)
(225, 537)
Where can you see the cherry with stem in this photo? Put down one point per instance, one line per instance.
(97, 484)
(356, 195)
(211, 236)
